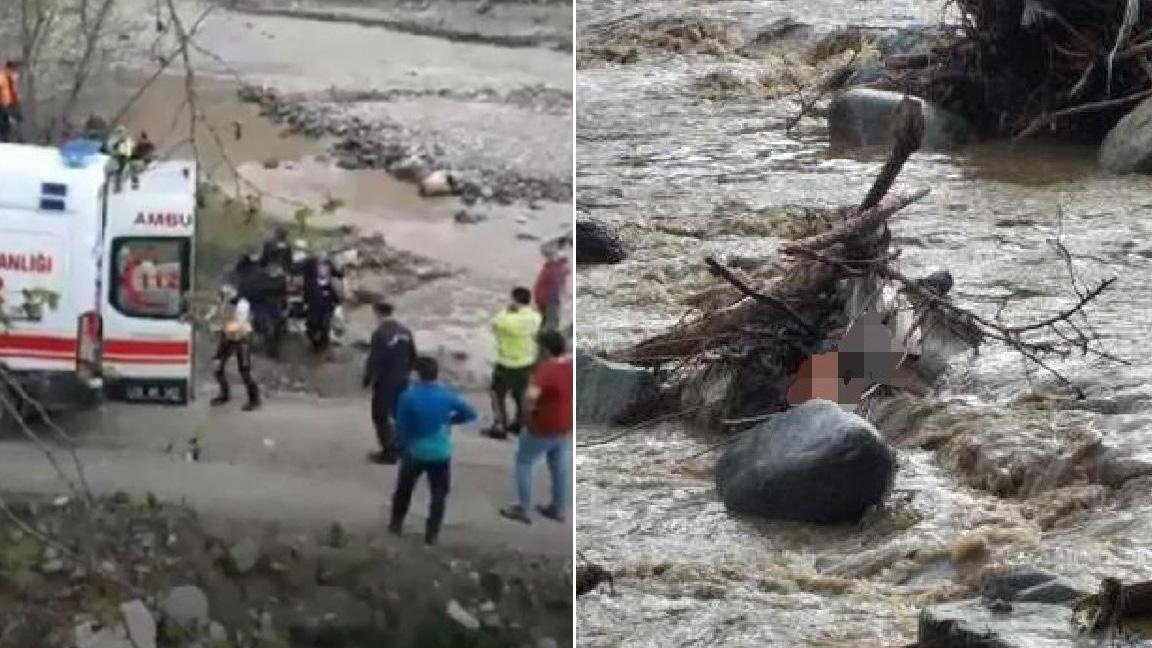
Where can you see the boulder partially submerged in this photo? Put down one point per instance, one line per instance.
(1128, 146)
(813, 463)
(862, 117)
(1032, 586)
(596, 242)
(607, 392)
(973, 624)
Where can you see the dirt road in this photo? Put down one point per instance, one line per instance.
(299, 462)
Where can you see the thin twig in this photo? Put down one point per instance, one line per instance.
(1065, 314)
(1048, 118)
(640, 426)
(712, 448)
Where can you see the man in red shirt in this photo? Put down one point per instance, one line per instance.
(551, 285)
(549, 432)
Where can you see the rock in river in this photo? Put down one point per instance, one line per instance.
(1128, 146)
(813, 463)
(596, 242)
(971, 624)
(605, 391)
(1033, 586)
(863, 117)
(437, 183)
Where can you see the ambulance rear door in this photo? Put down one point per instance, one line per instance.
(147, 277)
(50, 218)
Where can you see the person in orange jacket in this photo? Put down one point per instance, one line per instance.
(9, 100)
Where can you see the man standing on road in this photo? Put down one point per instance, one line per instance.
(515, 329)
(552, 285)
(9, 101)
(389, 364)
(549, 432)
(233, 316)
(424, 419)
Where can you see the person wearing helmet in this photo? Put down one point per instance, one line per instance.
(232, 321)
(119, 147)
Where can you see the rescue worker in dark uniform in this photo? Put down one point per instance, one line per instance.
(386, 371)
(232, 318)
(321, 297)
(243, 276)
(268, 294)
(277, 251)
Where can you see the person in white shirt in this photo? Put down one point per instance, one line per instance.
(233, 318)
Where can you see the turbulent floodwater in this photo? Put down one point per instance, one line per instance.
(662, 162)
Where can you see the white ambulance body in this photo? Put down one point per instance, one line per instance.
(118, 265)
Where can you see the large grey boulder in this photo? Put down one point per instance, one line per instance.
(1128, 146)
(863, 117)
(813, 463)
(607, 391)
(972, 624)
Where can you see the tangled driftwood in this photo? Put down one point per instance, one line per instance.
(1022, 66)
(1112, 605)
(748, 351)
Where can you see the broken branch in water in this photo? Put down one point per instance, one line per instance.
(907, 132)
(743, 287)
(1095, 106)
(826, 84)
(1066, 314)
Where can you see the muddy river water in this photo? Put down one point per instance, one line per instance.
(657, 159)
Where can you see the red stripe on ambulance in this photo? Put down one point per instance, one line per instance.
(115, 351)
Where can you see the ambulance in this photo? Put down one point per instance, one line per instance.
(94, 280)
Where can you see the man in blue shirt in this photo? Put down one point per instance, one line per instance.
(424, 418)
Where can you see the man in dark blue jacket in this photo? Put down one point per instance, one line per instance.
(387, 370)
(424, 418)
